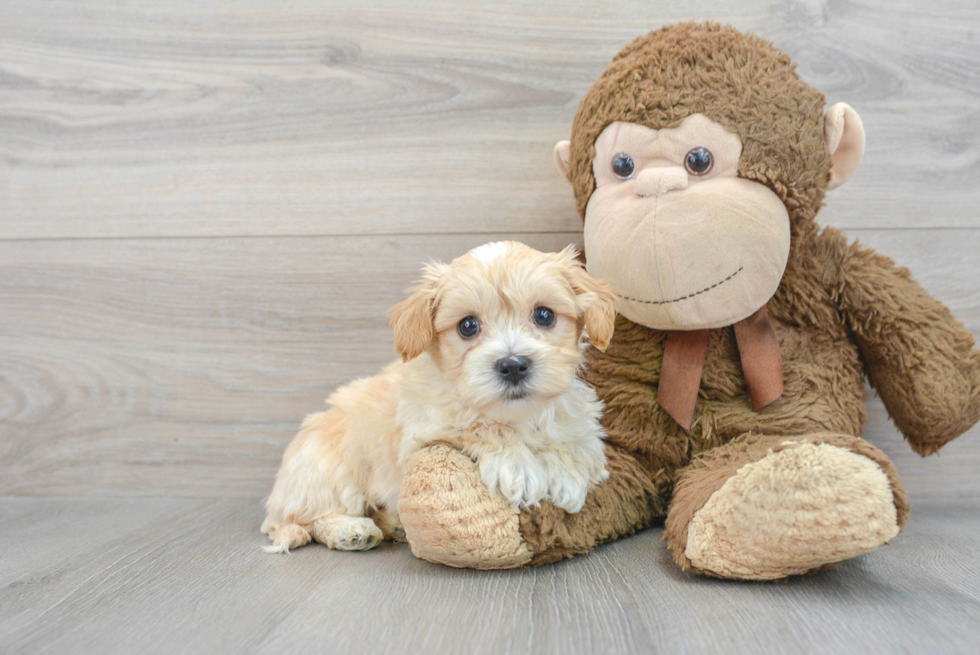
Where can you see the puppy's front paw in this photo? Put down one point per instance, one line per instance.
(515, 474)
(567, 485)
(571, 474)
(347, 532)
(568, 491)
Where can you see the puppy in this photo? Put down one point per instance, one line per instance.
(490, 344)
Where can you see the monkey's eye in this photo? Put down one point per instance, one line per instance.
(699, 161)
(622, 165)
(544, 317)
(468, 327)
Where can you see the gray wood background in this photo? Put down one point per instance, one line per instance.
(206, 207)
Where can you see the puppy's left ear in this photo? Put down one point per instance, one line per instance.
(413, 317)
(597, 305)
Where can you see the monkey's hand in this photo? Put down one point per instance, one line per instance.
(918, 357)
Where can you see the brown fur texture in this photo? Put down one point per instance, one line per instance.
(842, 313)
(613, 509)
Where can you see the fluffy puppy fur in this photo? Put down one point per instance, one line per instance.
(534, 436)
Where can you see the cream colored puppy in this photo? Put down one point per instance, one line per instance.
(490, 344)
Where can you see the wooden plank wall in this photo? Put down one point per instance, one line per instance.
(206, 207)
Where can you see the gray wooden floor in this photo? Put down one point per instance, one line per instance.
(187, 576)
(206, 209)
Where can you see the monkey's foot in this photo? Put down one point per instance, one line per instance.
(797, 505)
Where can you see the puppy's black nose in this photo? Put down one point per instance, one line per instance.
(513, 369)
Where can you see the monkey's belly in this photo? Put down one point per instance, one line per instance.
(823, 392)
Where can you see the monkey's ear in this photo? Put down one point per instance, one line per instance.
(563, 152)
(597, 306)
(844, 132)
(413, 318)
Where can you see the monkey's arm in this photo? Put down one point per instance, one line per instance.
(918, 357)
(450, 518)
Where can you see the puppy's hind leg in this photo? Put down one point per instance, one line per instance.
(285, 536)
(390, 524)
(311, 482)
(344, 532)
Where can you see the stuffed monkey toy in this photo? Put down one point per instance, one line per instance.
(734, 383)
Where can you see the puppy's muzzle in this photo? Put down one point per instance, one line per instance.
(513, 370)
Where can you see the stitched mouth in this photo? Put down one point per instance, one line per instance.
(690, 295)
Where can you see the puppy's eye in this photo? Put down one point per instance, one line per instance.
(622, 165)
(699, 161)
(468, 327)
(544, 317)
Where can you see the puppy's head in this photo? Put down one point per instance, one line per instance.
(504, 322)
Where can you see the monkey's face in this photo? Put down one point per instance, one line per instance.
(684, 241)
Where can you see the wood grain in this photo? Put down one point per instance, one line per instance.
(43, 530)
(206, 210)
(189, 577)
(182, 367)
(315, 118)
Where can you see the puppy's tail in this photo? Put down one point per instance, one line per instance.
(285, 536)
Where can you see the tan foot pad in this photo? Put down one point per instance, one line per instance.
(791, 512)
(450, 517)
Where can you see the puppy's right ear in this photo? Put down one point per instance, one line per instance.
(596, 301)
(413, 317)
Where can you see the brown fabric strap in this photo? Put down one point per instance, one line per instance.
(762, 363)
(685, 354)
(680, 374)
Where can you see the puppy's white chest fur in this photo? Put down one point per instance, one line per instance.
(550, 450)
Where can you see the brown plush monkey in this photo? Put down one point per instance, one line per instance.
(734, 384)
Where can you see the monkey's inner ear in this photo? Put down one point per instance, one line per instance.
(844, 132)
(563, 152)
